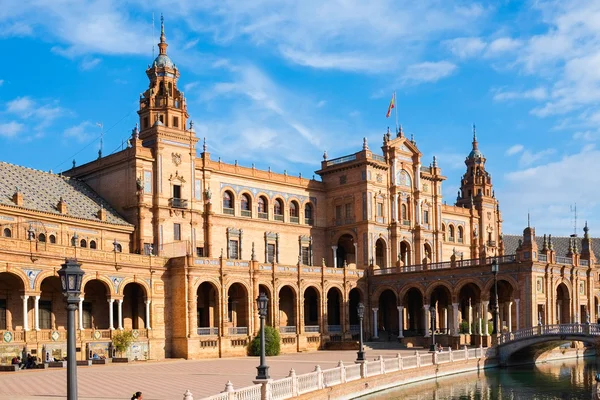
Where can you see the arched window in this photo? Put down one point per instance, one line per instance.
(42, 237)
(443, 231)
(278, 209)
(308, 214)
(460, 234)
(451, 232)
(52, 239)
(7, 232)
(118, 248)
(92, 244)
(83, 243)
(404, 212)
(246, 206)
(262, 208)
(294, 212)
(228, 203)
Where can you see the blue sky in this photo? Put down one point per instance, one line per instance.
(276, 83)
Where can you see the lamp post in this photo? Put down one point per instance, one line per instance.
(432, 312)
(361, 314)
(71, 276)
(495, 272)
(262, 302)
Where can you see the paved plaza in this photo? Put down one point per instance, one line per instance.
(166, 379)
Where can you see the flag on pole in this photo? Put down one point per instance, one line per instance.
(392, 105)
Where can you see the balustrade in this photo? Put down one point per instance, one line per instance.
(287, 329)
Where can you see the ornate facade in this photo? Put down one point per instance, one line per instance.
(184, 243)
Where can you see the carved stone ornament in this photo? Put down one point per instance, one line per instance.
(176, 159)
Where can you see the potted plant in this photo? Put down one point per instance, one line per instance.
(122, 341)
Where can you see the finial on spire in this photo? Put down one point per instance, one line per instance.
(434, 162)
(162, 25)
(586, 231)
(474, 133)
(365, 144)
(528, 219)
(163, 40)
(204, 146)
(325, 155)
(400, 131)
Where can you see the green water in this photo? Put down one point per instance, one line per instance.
(567, 379)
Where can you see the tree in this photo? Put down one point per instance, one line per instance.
(122, 340)
(272, 343)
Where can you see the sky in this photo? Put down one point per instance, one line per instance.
(276, 83)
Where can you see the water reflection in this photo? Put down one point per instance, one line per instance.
(567, 379)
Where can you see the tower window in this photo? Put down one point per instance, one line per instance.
(177, 232)
(176, 191)
(176, 122)
(426, 217)
(161, 118)
(145, 124)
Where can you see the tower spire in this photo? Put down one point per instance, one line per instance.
(475, 144)
(163, 39)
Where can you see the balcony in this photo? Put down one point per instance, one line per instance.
(406, 222)
(295, 220)
(334, 328)
(246, 213)
(308, 221)
(175, 202)
(278, 217)
(451, 239)
(263, 215)
(228, 211)
(239, 330)
(208, 331)
(491, 243)
(460, 240)
(312, 328)
(287, 329)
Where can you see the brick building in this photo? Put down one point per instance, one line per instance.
(177, 245)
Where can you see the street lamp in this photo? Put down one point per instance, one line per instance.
(71, 276)
(432, 312)
(495, 271)
(361, 314)
(262, 302)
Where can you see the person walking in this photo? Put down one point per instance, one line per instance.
(137, 396)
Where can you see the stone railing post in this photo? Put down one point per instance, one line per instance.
(480, 350)
(451, 356)
(319, 376)
(188, 395)
(342, 371)
(434, 358)
(294, 382)
(382, 365)
(229, 390)
(265, 393)
(418, 359)
(400, 363)
(363, 369)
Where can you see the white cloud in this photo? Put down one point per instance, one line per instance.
(1, 82)
(11, 129)
(465, 47)
(321, 103)
(22, 106)
(341, 61)
(529, 158)
(517, 148)
(502, 45)
(89, 63)
(38, 115)
(428, 72)
(82, 133)
(539, 93)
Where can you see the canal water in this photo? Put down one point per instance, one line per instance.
(566, 379)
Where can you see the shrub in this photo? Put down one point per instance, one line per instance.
(122, 340)
(272, 343)
(464, 327)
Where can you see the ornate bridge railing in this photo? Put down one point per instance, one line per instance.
(550, 330)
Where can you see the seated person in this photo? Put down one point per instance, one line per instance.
(439, 347)
(95, 357)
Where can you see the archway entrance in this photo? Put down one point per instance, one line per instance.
(353, 301)
(388, 315)
(311, 310)
(380, 253)
(207, 309)
(428, 254)
(237, 309)
(334, 311)
(413, 305)
(96, 306)
(345, 251)
(469, 303)
(563, 305)
(405, 253)
(264, 289)
(11, 304)
(441, 301)
(287, 310)
(134, 307)
(505, 307)
(51, 300)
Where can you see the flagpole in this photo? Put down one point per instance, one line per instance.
(396, 109)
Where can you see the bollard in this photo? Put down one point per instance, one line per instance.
(382, 365)
(188, 395)
(294, 382)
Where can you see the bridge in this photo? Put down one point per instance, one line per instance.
(543, 337)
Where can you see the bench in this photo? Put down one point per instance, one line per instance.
(9, 368)
(101, 362)
(84, 363)
(57, 364)
(40, 366)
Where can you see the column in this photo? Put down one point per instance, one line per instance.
(509, 316)
(470, 317)
(375, 332)
(455, 319)
(25, 321)
(517, 309)
(395, 207)
(334, 251)
(110, 314)
(120, 313)
(355, 253)
(478, 317)
(80, 315)
(484, 319)
(400, 321)
(148, 302)
(558, 311)
(446, 320)
(450, 327)
(427, 319)
(36, 313)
